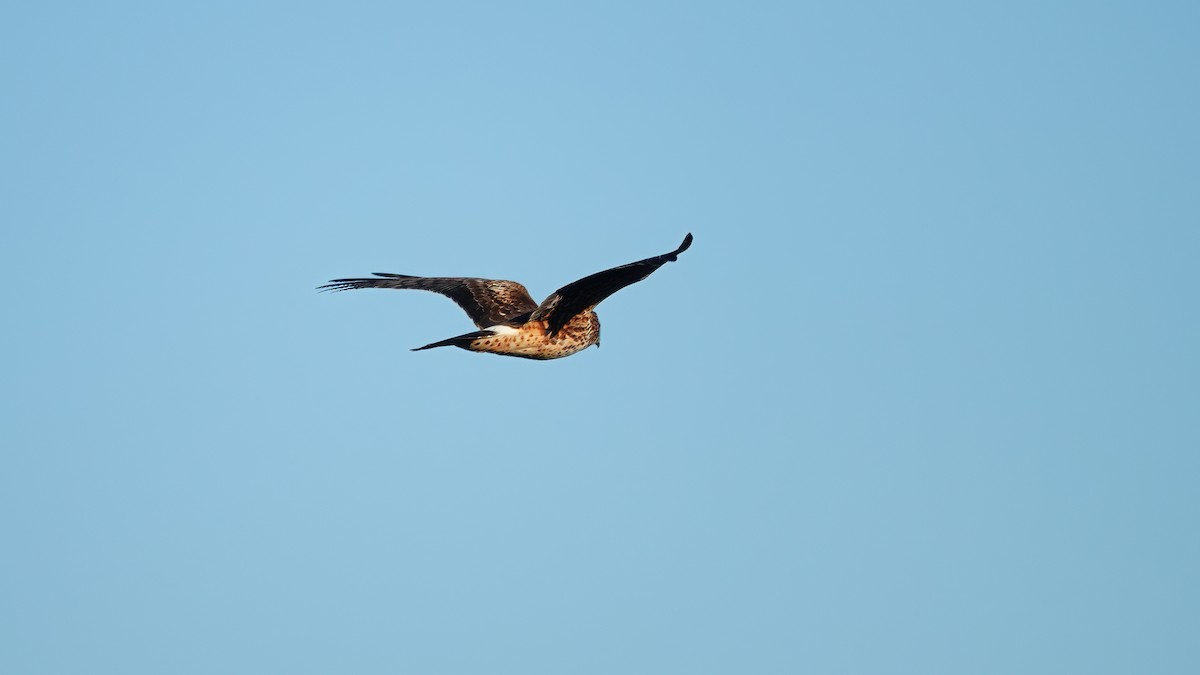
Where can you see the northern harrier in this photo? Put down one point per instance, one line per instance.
(510, 322)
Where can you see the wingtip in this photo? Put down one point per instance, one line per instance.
(674, 255)
(336, 286)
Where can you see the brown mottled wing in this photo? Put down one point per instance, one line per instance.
(487, 301)
(586, 293)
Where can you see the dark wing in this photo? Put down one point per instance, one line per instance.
(487, 301)
(586, 293)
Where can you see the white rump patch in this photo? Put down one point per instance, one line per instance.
(503, 330)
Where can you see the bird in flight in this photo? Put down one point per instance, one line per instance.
(510, 323)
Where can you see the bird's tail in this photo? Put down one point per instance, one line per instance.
(461, 341)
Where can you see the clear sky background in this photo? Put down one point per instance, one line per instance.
(923, 397)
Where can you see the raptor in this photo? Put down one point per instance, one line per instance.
(510, 323)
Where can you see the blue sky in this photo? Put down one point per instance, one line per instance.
(921, 398)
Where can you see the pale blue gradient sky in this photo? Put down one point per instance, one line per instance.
(922, 398)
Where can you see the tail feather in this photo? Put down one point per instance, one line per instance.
(460, 341)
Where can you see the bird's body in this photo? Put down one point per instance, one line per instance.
(510, 322)
(532, 340)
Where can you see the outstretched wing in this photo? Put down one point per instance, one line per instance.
(586, 293)
(487, 301)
